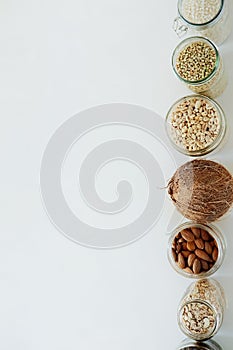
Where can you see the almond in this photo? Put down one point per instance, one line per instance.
(191, 259)
(188, 270)
(200, 243)
(181, 261)
(174, 254)
(187, 235)
(184, 246)
(186, 253)
(205, 265)
(181, 240)
(191, 246)
(205, 235)
(178, 248)
(178, 235)
(208, 248)
(213, 243)
(203, 255)
(215, 254)
(196, 266)
(196, 231)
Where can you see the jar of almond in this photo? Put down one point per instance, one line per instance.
(198, 64)
(195, 125)
(196, 250)
(201, 310)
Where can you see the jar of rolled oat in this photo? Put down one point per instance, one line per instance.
(198, 64)
(189, 344)
(208, 18)
(196, 250)
(201, 310)
(195, 125)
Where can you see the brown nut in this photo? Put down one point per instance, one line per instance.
(205, 265)
(185, 253)
(181, 261)
(196, 266)
(215, 254)
(187, 235)
(178, 248)
(203, 255)
(191, 246)
(191, 259)
(200, 243)
(208, 248)
(205, 235)
(178, 235)
(213, 243)
(174, 254)
(188, 270)
(196, 231)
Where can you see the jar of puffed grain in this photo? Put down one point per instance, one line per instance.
(201, 310)
(209, 18)
(196, 125)
(189, 344)
(197, 62)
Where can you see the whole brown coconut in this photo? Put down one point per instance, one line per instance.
(202, 190)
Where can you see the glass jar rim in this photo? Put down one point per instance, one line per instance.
(217, 62)
(189, 333)
(217, 140)
(199, 25)
(189, 344)
(217, 236)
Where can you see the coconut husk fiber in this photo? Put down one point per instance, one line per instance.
(202, 190)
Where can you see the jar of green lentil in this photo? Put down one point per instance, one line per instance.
(197, 62)
(211, 19)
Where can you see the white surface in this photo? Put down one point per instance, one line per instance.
(57, 58)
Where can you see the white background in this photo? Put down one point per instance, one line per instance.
(58, 58)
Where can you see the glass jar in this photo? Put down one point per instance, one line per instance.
(189, 55)
(195, 125)
(189, 344)
(208, 18)
(198, 255)
(201, 310)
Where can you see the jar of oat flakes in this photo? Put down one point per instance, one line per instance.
(189, 344)
(197, 63)
(208, 18)
(201, 310)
